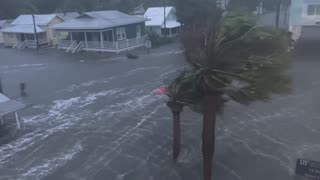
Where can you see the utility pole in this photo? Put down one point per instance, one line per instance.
(164, 18)
(35, 32)
(1, 89)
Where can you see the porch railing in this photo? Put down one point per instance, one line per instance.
(64, 43)
(114, 45)
(98, 45)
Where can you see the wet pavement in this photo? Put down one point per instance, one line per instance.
(96, 118)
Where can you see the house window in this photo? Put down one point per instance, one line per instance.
(121, 33)
(138, 30)
(10, 35)
(314, 10)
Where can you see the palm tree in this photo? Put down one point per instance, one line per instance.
(237, 59)
(181, 93)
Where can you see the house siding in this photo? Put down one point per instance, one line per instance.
(10, 41)
(1, 37)
(131, 30)
(50, 33)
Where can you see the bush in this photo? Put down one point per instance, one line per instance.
(157, 40)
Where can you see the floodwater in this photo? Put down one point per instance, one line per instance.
(97, 119)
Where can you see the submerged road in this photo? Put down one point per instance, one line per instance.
(96, 118)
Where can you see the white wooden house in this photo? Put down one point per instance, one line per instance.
(160, 22)
(21, 31)
(104, 31)
(3, 24)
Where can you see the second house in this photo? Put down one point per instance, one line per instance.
(105, 31)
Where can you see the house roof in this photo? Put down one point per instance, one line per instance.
(68, 15)
(40, 19)
(22, 28)
(98, 20)
(3, 98)
(156, 15)
(4, 23)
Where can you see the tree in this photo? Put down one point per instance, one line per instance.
(241, 61)
(181, 93)
(195, 14)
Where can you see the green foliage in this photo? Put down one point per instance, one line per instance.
(240, 60)
(182, 89)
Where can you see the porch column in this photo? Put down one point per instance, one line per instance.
(112, 37)
(71, 38)
(85, 39)
(101, 39)
(170, 32)
(58, 37)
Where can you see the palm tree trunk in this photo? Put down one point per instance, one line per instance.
(176, 135)
(176, 109)
(208, 134)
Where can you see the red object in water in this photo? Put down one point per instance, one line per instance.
(160, 91)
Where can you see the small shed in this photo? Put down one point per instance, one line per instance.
(162, 23)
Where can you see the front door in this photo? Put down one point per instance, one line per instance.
(22, 37)
(138, 30)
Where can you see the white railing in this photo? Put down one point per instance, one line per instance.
(109, 45)
(17, 45)
(78, 48)
(42, 41)
(94, 44)
(130, 42)
(31, 42)
(72, 46)
(122, 44)
(64, 43)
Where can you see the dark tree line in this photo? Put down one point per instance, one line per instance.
(10, 9)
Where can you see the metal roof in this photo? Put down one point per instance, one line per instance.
(27, 29)
(156, 15)
(40, 19)
(98, 20)
(10, 107)
(3, 98)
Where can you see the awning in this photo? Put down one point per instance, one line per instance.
(172, 24)
(26, 29)
(10, 107)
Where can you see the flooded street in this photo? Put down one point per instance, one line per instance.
(97, 119)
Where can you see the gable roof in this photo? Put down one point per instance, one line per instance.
(98, 20)
(156, 15)
(40, 19)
